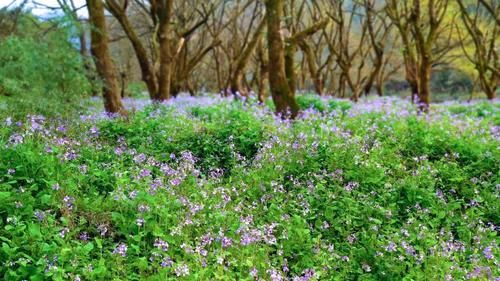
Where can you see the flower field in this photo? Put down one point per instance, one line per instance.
(221, 190)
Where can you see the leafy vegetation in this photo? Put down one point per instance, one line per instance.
(229, 192)
(42, 74)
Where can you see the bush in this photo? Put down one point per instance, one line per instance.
(41, 75)
(310, 101)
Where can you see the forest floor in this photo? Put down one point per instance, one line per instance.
(208, 189)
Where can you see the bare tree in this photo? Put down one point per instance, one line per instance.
(420, 26)
(484, 31)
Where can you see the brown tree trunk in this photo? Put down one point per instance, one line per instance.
(147, 69)
(489, 86)
(424, 84)
(291, 76)
(283, 97)
(236, 83)
(379, 89)
(104, 64)
(166, 57)
(263, 73)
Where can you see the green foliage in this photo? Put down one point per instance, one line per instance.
(43, 75)
(311, 101)
(361, 196)
(136, 90)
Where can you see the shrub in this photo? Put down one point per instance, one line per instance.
(41, 75)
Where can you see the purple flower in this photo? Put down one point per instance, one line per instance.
(68, 201)
(175, 182)
(103, 229)
(161, 245)
(254, 272)
(56, 186)
(94, 131)
(487, 252)
(140, 158)
(226, 242)
(40, 215)
(391, 247)
(63, 232)
(16, 139)
(84, 236)
(166, 262)
(145, 173)
(118, 151)
(120, 250)
(182, 270)
(143, 208)
(351, 186)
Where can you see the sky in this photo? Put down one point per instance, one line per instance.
(42, 11)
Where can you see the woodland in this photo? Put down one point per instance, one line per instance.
(249, 140)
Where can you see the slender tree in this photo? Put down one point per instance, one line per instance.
(484, 32)
(283, 97)
(104, 65)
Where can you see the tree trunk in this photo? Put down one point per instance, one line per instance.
(379, 89)
(147, 69)
(489, 87)
(104, 64)
(424, 84)
(283, 97)
(165, 50)
(291, 76)
(263, 73)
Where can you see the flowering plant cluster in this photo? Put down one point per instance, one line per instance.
(228, 191)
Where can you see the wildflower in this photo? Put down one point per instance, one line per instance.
(351, 186)
(118, 151)
(56, 186)
(254, 272)
(275, 275)
(366, 267)
(103, 229)
(175, 182)
(325, 225)
(16, 139)
(68, 201)
(63, 232)
(182, 270)
(166, 262)
(84, 236)
(139, 222)
(121, 250)
(132, 194)
(161, 245)
(94, 131)
(351, 238)
(487, 252)
(391, 247)
(143, 208)
(40, 215)
(145, 173)
(226, 242)
(140, 158)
